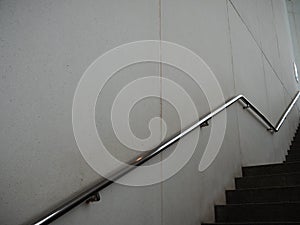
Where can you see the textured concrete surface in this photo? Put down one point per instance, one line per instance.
(293, 7)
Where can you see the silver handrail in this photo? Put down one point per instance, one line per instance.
(93, 192)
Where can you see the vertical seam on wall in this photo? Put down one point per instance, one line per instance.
(277, 42)
(289, 27)
(296, 34)
(234, 81)
(294, 18)
(160, 108)
(260, 48)
(263, 63)
(268, 100)
(267, 89)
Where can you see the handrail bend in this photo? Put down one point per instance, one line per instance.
(93, 191)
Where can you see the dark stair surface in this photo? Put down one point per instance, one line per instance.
(266, 194)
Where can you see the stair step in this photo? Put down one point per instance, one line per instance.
(296, 136)
(293, 151)
(295, 145)
(270, 169)
(263, 195)
(293, 157)
(255, 223)
(269, 212)
(296, 139)
(278, 180)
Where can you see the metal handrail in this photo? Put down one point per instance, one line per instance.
(93, 192)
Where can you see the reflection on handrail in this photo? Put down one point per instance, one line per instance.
(92, 193)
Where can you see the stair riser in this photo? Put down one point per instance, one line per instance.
(263, 195)
(271, 169)
(258, 213)
(293, 158)
(274, 223)
(293, 151)
(296, 140)
(295, 146)
(268, 181)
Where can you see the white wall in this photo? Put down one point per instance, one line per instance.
(45, 46)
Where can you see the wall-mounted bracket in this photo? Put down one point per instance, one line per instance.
(94, 198)
(271, 130)
(205, 124)
(246, 106)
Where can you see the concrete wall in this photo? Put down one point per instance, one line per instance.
(45, 46)
(293, 7)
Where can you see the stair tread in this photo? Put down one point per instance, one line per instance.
(260, 195)
(261, 204)
(273, 180)
(264, 188)
(293, 151)
(295, 157)
(253, 223)
(269, 165)
(258, 212)
(269, 175)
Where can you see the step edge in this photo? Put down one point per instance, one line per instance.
(269, 175)
(264, 188)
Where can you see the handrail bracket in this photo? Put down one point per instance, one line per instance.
(204, 124)
(246, 106)
(94, 198)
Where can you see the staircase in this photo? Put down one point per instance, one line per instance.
(266, 194)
